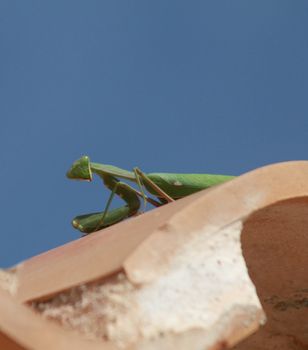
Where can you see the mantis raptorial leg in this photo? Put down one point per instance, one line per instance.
(123, 190)
(95, 221)
(89, 223)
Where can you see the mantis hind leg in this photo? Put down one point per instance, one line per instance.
(144, 178)
(141, 186)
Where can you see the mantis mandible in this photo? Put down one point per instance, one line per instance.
(166, 187)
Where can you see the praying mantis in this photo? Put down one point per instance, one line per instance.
(166, 187)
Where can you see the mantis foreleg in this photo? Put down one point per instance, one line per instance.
(89, 223)
(123, 190)
(95, 221)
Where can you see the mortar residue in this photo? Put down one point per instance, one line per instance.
(92, 309)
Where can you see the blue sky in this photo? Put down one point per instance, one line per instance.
(174, 86)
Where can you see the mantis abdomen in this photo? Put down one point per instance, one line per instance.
(181, 185)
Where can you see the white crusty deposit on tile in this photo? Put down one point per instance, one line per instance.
(202, 280)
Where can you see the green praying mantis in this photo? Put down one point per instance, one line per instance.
(165, 187)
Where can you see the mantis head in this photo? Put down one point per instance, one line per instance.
(80, 170)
